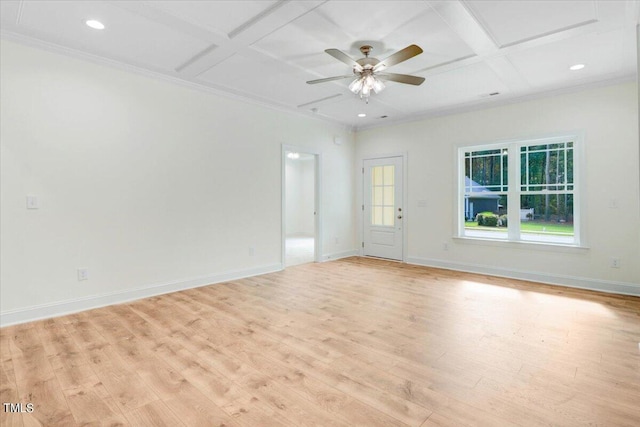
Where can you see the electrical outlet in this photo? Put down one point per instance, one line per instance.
(445, 246)
(83, 273)
(615, 262)
(33, 202)
(337, 240)
(252, 251)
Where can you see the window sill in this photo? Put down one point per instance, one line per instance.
(540, 246)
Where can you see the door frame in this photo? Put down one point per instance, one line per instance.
(405, 209)
(317, 250)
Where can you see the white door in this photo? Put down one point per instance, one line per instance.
(383, 209)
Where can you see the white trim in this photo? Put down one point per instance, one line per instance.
(496, 103)
(338, 255)
(522, 244)
(623, 288)
(61, 308)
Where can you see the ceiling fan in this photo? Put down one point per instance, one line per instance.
(368, 71)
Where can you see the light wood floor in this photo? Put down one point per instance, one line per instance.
(351, 342)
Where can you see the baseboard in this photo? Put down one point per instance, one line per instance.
(338, 255)
(60, 308)
(623, 288)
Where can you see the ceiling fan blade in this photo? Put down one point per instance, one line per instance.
(401, 78)
(341, 56)
(398, 57)
(330, 79)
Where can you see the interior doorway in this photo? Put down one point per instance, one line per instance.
(300, 213)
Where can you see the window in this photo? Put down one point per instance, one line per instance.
(382, 200)
(520, 191)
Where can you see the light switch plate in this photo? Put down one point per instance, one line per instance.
(33, 202)
(83, 273)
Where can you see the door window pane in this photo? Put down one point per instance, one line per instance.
(388, 215)
(388, 196)
(376, 173)
(377, 196)
(388, 174)
(382, 195)
(376, 213)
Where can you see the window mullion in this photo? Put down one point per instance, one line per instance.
(513, 193)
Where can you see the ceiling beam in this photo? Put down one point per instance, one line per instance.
(473, 32)
(244, 36)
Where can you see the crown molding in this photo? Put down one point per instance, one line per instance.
(500, 103)
(112, 63)
(253, 100)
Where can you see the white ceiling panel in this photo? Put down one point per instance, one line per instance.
(266, 80)
(151, 44)
(9, 12)
(457, 87)
(369, 20)
(604, 55)
(351, 105)
(509, 22)
(302, 43)
(266, 50)
(438, 41)
(219, 15)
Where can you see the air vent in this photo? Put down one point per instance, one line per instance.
(487, 95)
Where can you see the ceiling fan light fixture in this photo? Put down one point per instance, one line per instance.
(356, 85)
(366, 68)
(366, 83)
(378, 85)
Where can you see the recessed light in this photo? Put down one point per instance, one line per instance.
(362, 115)
(96, 25)
(576, 67)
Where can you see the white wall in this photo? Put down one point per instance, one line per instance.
(153, 186)
(300, 196)
(144, 182)
(608, 116)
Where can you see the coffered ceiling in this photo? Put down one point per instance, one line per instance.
(266, 50)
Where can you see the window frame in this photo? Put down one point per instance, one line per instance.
(514, 191)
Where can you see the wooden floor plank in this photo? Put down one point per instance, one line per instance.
(353, 342)
(155, 414)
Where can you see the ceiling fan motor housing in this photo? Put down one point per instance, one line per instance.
(366, 62)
